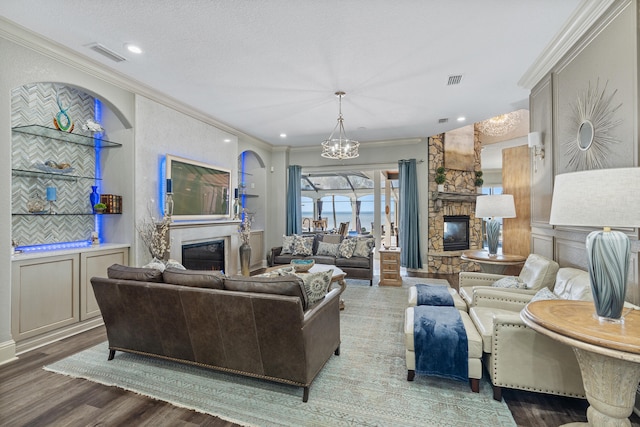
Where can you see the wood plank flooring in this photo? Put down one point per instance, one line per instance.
(31, 396)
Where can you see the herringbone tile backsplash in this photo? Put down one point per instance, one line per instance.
(35, 104)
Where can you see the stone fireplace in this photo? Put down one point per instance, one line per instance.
(457, 201)
(455, 235)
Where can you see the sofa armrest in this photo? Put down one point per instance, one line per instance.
(473, 278)
(500, 298)
(275, 251)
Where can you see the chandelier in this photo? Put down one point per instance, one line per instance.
(500, 125)
(340, 147)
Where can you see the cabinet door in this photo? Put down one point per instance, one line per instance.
(96, 264)
(44, 295)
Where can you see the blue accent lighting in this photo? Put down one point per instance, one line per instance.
(97, 117)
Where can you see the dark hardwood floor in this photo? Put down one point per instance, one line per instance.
(31, 396)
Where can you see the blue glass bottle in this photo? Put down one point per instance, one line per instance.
(94, 197)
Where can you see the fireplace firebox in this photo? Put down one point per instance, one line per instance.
(204, 255)
(456, 232)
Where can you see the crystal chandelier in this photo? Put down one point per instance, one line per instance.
(500, 125)
(341, 147)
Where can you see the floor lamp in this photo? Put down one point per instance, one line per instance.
(492, 207)
(601, 198)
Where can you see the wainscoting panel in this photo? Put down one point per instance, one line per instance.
(571, 253)
(542, 245)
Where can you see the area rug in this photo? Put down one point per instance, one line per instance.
(365, 386)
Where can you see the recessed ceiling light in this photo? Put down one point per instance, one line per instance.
(461, 119)
(283, 135)
(227, 140)
(133, 48)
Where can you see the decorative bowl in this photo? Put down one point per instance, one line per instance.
(302, 265)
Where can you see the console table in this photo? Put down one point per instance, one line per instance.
(608, 354)
(495, 264)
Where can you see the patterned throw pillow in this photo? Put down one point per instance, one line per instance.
(510, 282)
(346, 248)
(287, 244)
(329, 249)
(363, 246)
(544, 294)
(316, 285)
(302, 245)
(172, 263)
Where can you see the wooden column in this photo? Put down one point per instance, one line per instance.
(516, 180)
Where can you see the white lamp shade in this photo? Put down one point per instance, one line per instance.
(597, 198)
(495, 206)
(535, 139)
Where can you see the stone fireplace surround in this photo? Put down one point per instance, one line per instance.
(189, 232)
(458, 199)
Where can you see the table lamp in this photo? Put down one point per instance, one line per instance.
(492, 207)
(601, 198)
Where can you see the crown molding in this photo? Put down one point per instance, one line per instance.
(586, 14)
(24, 37)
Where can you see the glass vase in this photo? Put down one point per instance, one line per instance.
(94, 197)
(245, 258)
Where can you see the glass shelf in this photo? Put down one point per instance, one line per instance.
(73, 138)
(60, 214)
(40, 174)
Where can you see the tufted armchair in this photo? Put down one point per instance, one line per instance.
(538, 272)
(516, 356)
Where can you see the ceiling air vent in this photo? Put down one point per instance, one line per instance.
(454, 80)
(443, 120)
(105, 51)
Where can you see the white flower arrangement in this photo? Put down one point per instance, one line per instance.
(154, 235)
(244, 229)
(92, 126)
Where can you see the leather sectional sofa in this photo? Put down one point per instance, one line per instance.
(355, 267)
(260, 327)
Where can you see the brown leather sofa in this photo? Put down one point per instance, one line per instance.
(355, 267)
(255, 326)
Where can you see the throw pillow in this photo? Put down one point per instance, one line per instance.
(155, 264)
(196, 278)
(287, 244)
(316, 285)
(329, 249)
(302, 245)
(172, 263)
(509, 282)
(346, 248)
(124, 272)
(544, 294)
(363, 246)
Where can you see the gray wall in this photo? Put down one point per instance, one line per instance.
(606, 55)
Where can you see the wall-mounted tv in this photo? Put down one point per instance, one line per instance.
(200, 191)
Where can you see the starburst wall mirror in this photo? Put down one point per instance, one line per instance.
(589, 144)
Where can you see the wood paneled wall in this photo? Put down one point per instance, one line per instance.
(516, 180)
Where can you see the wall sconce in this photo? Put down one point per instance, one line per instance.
(536, 142)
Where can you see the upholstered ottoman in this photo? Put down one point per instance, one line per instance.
(474, 341)
(458, 302)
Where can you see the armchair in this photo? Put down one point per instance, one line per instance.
(538, 272)
(516, 356)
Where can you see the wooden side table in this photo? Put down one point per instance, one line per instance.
(390, 267)
(608, 354)
(494, 264)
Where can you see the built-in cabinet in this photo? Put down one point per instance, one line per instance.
(51, 293)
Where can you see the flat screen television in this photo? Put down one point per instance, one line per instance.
(200, 191)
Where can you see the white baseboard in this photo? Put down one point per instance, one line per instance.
(7, 352)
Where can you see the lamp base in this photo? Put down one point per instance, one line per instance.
(609, 320)
(493, 236)
(608, 256)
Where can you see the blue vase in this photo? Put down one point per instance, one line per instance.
(94, 197)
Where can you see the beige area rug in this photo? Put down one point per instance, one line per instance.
(365, 386)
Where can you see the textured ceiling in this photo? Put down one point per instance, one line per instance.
(272, 66)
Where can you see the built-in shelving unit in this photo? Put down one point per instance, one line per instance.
(73, 138)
